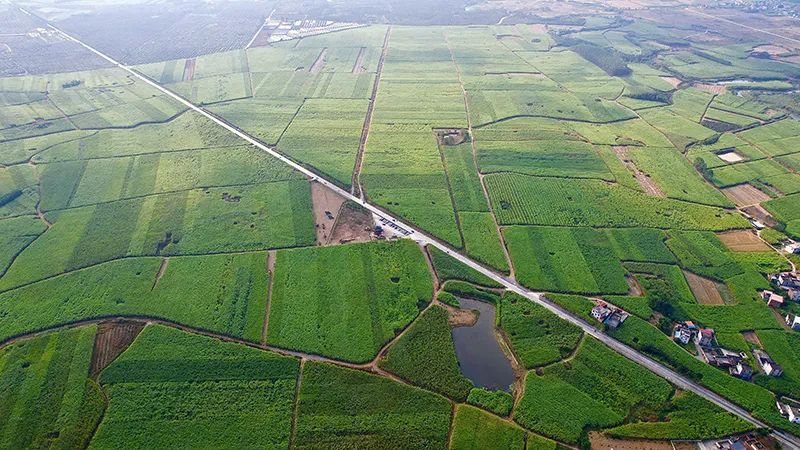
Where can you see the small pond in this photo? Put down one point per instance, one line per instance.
(478, 352)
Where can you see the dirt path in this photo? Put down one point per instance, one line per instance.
(649, 186)
(161, 269)
(271, 256)
(319, 64)
(358, 67)
(464, 94)
(362, 143)
(428, 260)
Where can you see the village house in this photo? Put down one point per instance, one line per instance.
(768, 366)
(792, 413)
(794, 294)
(773, 300)
(705, 338)
(684, 332)
(720, 357)
(609, 315)
(742, 370)
(793, 321)
(787, 280)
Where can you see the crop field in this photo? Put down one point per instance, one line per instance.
(229, 299)
(537, 336)
(47, 398)
(426, 357)
(575, 260)
(171, 388)
(340, 407)
(591, 153)
(346, 315)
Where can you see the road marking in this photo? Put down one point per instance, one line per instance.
(678, 380)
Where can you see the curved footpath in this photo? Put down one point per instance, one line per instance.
(788, 440)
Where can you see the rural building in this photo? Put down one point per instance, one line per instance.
(794, 294)
(791, 412)
(793, 321)
(766, 363)
(684, 332)
(705, 338)
(787, 280)
(609, 315)
(721, 357)
(742, 370)
(773, 300)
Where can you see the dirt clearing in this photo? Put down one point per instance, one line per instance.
(634, 289)
(730, 156)
(358, 67)
(761, 215)
(326, 205)
(751, 337)
(649, 186)
(188, 69)
(458, 317)
(743, 241)
(716, 89)
(319, 64)
(704, 290)
(600, 441)
(745, 195)
(673, 81)
(353, 224)
(111, 340)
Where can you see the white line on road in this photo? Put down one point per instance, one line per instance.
(680, 381)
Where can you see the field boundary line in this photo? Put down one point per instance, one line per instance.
(296, 405)
(544, 116)
(453, 205)
(271, 264)
(355, 182)
(670, 375)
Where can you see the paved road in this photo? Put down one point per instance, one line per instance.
(682, 382)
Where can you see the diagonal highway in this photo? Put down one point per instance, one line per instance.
(788, 440)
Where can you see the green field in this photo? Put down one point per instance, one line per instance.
(346, 315)
(172, 389)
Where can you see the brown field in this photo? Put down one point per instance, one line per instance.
(188, 69)
(647, 183)
(711, 88)
(353, 224)
(745, 195)
(600, 441)
(319, 64)
(112, 339)
(705, 290)
(674, 81)
(743, 241)
(358, 67)
(326, 206)
(761, 214)
(751, 337)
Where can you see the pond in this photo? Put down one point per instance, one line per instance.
(478, 352)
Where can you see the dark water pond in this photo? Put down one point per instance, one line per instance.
(478, 352)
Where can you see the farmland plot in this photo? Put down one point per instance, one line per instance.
(175, 389)
(47, 398)
(342, 407)
(318, 309)
(229, 299)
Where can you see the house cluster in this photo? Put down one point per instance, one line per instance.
(611, 316)
(787, 281)
(706, 341)
(790, 411)
(749, 441)
(768, 366)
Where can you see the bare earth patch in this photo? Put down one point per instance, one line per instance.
(704, 290)
(649, 186)
(353, 224)
(188, 69)
(761, 214)
(326, 205)
(743, 241)
(111, 340)
(730, 156)
(745, 195)
(751, 337)
(319, 64)
(460, 317)
(674, 81)
(717, 89)
(600, 441)
(634, 289)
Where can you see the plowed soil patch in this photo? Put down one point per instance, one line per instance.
(672, 80)
(743, 241)
(704, 290)
(354, 224)
(326, 207)
(188, 69)
(112, 338)
(600, 441)
(761, 214)
(745, 195)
